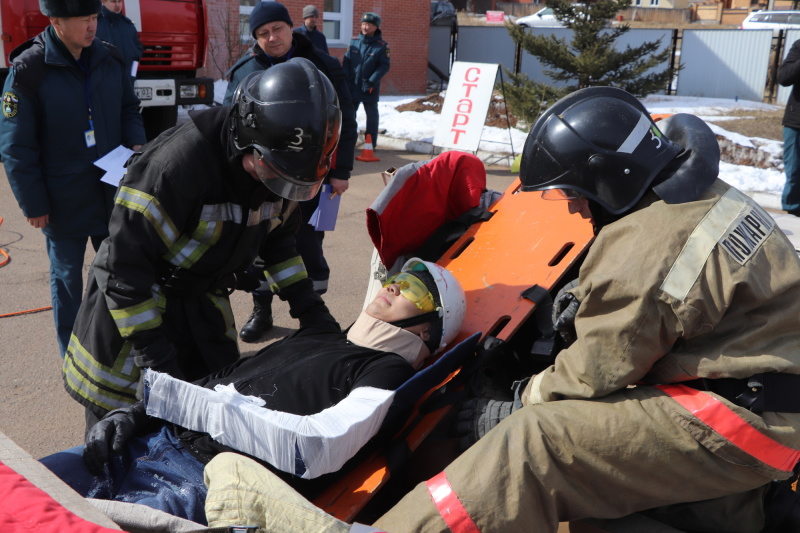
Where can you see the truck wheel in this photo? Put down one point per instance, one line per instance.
(158, 119)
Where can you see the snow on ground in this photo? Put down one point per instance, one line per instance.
(415, 131)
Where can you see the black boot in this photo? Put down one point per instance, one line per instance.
(260, 321)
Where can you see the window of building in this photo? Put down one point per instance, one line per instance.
(338, 22)
(245, 8)
(654, 2)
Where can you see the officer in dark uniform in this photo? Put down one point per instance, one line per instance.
(365, 63)
(67, 101)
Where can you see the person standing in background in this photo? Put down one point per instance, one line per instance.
(309, 28)
(67, 102)
(117, 29)
(365, 63)
(789, 76)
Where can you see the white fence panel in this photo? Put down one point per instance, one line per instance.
(724, 63)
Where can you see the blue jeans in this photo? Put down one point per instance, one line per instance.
(154, 470)
(790, 199)
(66, 281)
(373, 118)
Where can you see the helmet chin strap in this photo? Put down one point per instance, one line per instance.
(430, 316)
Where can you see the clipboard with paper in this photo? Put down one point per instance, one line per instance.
(324, 217)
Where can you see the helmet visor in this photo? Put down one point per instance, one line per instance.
(413, 289)
(283, 183)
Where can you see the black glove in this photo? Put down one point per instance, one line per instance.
(111, 434)
(565, 307)
(366, 87)
(161, 356)
(479, 415)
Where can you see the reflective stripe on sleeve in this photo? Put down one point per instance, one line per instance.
(449, 506)
(140, 317)
(732, 427)
(149, 206)
(284, 274)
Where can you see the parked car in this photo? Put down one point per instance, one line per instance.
(544, 18)
(771, 20)
(442, 13)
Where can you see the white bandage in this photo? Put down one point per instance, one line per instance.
(323, 441)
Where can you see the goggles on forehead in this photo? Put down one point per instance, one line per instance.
(412, 288)
(561, 194)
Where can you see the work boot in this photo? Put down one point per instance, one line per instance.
(260, 321)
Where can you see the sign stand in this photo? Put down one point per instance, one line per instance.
(465, 108)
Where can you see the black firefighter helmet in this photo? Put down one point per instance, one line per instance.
(289, 116)
(599, 142)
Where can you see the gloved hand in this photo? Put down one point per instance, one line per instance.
(161, 356)
(111, 434)
(565, 307)
(479, 415)
(366, 87)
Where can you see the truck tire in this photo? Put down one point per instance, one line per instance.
(158, 119)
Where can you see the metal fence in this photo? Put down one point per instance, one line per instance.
(718, 63)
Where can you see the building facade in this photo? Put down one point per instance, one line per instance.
(405, 26)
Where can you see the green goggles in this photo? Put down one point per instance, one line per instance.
(412, 288)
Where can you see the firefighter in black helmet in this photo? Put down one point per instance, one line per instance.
(679, 386)
(194, 209)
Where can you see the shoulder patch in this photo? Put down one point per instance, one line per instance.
(10, 104)
(747, 233)
(736, 224)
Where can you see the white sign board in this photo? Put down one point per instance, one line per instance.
(466, 103)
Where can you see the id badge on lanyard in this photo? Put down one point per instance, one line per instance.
(88, 135)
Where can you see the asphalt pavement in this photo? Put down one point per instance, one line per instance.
(35, 410)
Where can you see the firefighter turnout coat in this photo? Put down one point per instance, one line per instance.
(187, 218)
(620, 422)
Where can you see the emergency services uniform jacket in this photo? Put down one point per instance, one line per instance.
(671, 293)
(43, 141)
(120, 31)
(256, 60)
(316, 37)
(789, 76)
(365, 63)
(187, 217)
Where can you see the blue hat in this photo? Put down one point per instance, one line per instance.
(268, 12)
(371, 17)
(69, 8)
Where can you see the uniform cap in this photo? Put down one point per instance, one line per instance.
(69, 8)
(372, 18)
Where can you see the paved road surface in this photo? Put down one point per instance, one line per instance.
(36, 412)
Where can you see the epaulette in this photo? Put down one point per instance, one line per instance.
(115, 53)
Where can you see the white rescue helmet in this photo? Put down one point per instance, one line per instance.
(452, 302)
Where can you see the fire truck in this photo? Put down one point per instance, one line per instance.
(174, 35)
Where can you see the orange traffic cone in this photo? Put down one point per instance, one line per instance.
(366, 153)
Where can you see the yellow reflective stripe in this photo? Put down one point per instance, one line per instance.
(139, 317)
(266, 211)
(726, 213)
(187, 251)
(223, 304)
(221, 213)
(284, 274)
(96, 382)
(151, 209)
